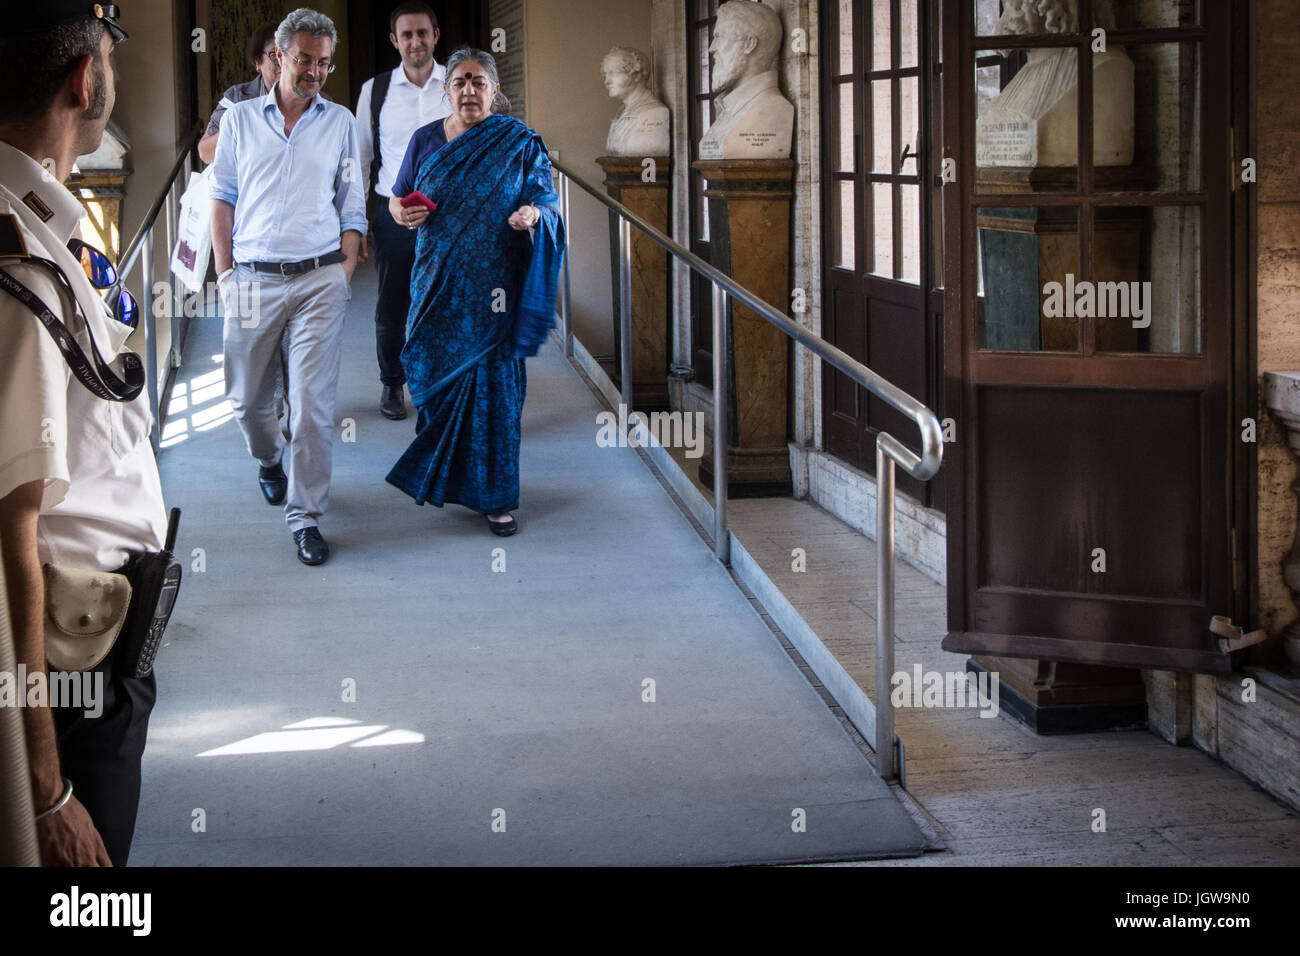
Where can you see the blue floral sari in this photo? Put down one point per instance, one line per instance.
(482, 300)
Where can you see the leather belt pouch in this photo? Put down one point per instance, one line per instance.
(84, 612)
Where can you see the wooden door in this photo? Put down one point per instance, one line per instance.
(880, 301)
(1090, 488)
(701, 16)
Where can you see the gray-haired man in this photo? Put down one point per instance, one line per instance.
(288, 213)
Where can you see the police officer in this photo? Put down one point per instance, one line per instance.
(78, 484)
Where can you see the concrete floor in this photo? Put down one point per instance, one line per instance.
(411, 703)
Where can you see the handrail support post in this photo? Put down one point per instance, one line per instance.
(625, 311)
(886, 764)
(566, 297)
(721, 536)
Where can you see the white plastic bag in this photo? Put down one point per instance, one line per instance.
(194, 239)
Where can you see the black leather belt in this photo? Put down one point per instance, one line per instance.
(287, 269)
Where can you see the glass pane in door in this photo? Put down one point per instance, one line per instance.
(880, 41)
(1029, 267)
(1026, 121)
(1155, 14)
(907, 34)
(845, 22)
(846, 223)
(1157, 140)
(909, 125)
(845, 119)
(882, 127)
(1148, 294)
(910, 233)
(882, 229)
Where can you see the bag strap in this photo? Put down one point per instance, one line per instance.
(101, 380)
(378, 93)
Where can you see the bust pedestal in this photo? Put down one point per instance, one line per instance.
(749, 222)
(650, 318)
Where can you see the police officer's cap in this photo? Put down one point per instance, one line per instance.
(44, 14)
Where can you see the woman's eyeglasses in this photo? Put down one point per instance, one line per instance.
(103, 275)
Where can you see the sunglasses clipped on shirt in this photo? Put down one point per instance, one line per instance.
(103, 275)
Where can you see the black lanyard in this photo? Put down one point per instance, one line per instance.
(100, 380)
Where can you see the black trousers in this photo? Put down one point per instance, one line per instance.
(101, 755)
(394, 259)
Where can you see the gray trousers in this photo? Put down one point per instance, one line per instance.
(303, 315)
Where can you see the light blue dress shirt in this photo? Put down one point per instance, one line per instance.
(293, 195)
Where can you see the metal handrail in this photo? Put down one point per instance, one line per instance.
(923, 466)
(889, 450)
(141, 247)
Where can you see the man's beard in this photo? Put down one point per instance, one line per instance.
(724, 81)
(419, 61)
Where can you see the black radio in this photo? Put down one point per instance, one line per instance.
(155, 581)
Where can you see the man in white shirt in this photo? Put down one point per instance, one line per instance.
(78, 485)
(390, 108)
(288, 214)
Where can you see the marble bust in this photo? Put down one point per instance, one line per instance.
(641, 127)
(754, 120)
(1034, 121)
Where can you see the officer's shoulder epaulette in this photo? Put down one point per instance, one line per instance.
(12, 245)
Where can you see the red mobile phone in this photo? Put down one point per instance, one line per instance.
(418, 198)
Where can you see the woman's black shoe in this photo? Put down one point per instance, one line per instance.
(503, 529)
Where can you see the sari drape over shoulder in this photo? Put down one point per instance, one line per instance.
(482, 299)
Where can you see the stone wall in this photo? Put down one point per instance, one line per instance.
(567, 104)
(1278, 303)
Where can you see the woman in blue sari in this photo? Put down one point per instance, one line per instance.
(482, 293)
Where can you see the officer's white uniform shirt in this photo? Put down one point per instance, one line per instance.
(406, 108)
(102, 492)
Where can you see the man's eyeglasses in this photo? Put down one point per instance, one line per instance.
(325, 66)
(103, 275)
